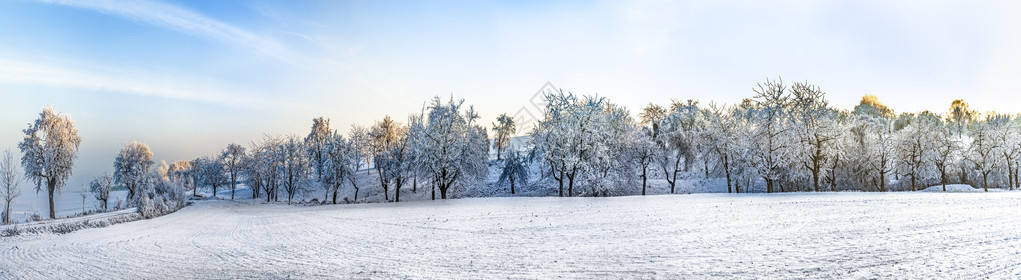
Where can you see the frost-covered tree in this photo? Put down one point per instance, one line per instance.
(416, 140)
(163, 170)
(360, 138)
(1006, 132)
(233, 158)
(816, 126)
(338, 156)
(214, 173)
(131, 166)
(642, 151)
(10, 180)
(609, 162)
(914, 145)
(515, 170)
(678, 138)
(315, 143)
(180, 172)
(960, 116)
(504, 128)
(390, 143)
(158, 196)
(49, 149)
(356, 152)
(771, 122)
(874, 149)
(563, 138)
(722, 137)
(946, 149)
(100, 188)
(454, 148)
(261, 167)
(651, 115)
(294, 165)
(741, 156)
(982, 151)
(197, 174)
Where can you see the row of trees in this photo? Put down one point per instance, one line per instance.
(784, 138)
(443, 146)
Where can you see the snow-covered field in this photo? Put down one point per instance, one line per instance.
(832, 235)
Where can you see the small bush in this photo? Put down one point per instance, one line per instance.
(159, 198)
(33, 216)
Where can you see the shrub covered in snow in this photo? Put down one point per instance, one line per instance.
(158, 196)
(33, 215)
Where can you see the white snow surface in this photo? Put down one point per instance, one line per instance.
(952, 188)
(796, 235)
(959, 188)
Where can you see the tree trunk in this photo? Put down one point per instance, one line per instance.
(131, 192)
(769, 185)
(443, 192)
(561, 181)
(50, 189)
(644, 179)
(570, 185)
(1016, 183)
(726, 171)
(882, 181)
(815, 176)
(706, 166)
(382, 183)
(512, 184)
(985, 180)
(1010, 180)
(943, 179)
(335, 195)
(356, 195)
(397, 193)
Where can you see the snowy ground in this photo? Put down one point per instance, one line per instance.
(831, 235)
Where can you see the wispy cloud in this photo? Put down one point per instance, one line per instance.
(122, 81)
(189, 22)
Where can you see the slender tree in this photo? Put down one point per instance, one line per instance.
(315, 143)
(233, 157)
(100, 188)
(504, 128)
(10, 179)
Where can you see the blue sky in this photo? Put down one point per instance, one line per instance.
(190, 77)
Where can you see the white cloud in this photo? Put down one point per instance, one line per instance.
(189, 22)
(122, 81)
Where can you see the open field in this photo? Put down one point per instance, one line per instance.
(843, 235)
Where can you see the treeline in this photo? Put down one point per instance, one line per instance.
(444, 147)
(785, 138)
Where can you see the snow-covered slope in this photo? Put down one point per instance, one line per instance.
(798, 235)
